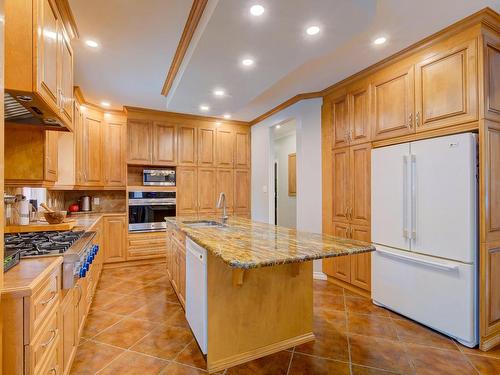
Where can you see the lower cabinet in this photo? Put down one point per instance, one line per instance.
(352, 269)
(146, 245)
(176, 263)
(115, 237)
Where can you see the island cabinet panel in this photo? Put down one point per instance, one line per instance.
(146, 245)
(492, 77)
(393, 102)
(206, 146)
(237, 331)
(225, 147)
(241, 190)
(164, 143)
(139, 140)
(446, 86)
(187, 190)
(115, 237)
(225, 184)
(115, 167)
(187, 145)
(207, 190)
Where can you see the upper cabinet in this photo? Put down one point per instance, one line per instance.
(225, 147)
(91, 164)
(242, 147)
(151, 143)
(340, 119)
(164, 143)
(206, 146)
(186, 145)
(492, 78)
(139, 139)
(39, 62)
(446, 86)
(115, 164)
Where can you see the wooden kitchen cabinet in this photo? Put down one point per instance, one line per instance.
(92, 161)
(225, 183)
(115, 167)
(241, 190)
(66, 77)
(339, 267)
(51, 155)
(224, 147)
(340, 176)
(187, 145)
(359, 184)
(187, 188)
(446, 86)
(206, 146)
(115, 238)
(146, 245)
(242, 147)
(207, 190)
(176, 263)
(340, 119)
(393, 102)
(361, 263)
(359, 113)
(69, 324)
(164, 143)
(139, 140)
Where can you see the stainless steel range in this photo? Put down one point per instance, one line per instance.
(77, 249)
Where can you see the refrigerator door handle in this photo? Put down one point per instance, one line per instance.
(405, 196)
(440, 266)
(413, 197)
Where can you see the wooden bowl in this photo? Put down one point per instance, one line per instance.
(56, 217)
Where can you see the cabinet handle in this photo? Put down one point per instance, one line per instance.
(350, 213)
(80, 293)
(410, 121)
(346, 213)
(417, 119)
(53, 295)
(350, 136)
(47, 343)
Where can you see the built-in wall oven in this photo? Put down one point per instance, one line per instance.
(147, 210)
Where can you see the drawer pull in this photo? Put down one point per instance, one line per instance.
(49, 341)
(53, 295)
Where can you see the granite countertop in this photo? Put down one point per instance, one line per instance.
(247, 244)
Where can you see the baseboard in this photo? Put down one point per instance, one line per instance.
(349, 287)
(238, 359)
(489, 343)
(319, 276)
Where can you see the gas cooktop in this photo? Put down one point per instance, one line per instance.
(41, 243)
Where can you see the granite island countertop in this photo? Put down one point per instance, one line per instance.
(243, 243)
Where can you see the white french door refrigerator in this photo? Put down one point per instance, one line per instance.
(424, 227)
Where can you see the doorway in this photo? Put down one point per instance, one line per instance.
(284, 172)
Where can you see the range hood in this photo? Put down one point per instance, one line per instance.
(23, 109)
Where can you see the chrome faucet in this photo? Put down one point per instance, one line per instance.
(221, 203)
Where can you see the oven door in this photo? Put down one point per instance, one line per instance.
(149, 218)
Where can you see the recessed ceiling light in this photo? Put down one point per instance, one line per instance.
(247, 62)
(312, 30)
(278, 126)
(91, 43)
(204, 107)
(227, 116)
(380, 40)
(257, 10)
(219, 92)
(105, 104)
(218, 123)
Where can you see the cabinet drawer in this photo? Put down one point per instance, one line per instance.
(46, 340)
(43, 300)
(179, 236)
(53, 364)
(146, 241)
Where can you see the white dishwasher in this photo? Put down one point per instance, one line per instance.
(196, 292)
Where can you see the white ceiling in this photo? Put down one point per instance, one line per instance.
(139, 39)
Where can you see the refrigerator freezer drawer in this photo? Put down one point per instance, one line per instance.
(435, 292)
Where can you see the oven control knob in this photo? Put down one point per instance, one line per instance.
(83, 272)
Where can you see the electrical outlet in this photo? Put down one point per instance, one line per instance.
(96, 201)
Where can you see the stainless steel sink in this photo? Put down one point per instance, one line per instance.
(203, 223)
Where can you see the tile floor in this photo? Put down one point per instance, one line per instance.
(136, 326)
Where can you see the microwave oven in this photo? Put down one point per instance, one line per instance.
(158, 177)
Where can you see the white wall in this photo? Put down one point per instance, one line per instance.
(287, 205)
(307, 115)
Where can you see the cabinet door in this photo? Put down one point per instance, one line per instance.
(66, 74)
(492, 77)
(446, 88)
(69, 322)
(115, 242)
(81, 305)
(186, 141)
(393, 103)
(225, 148)
(47, 53)
(225, 183)
(241, 190)
(359, 182)
(341, 193)
(139, 141)
(187, 191)
(340, 121)
(242, 148)
(359, 114)
(114, 149)
(206, 146)
(51, 155)
(164, 143)
(339, 267)
(361, 263)
(207, 198)
(175, 265)
(92, 162)
(182, 275)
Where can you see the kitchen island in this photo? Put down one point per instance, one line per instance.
(257, 284)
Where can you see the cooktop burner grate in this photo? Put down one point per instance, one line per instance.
(41, 243)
